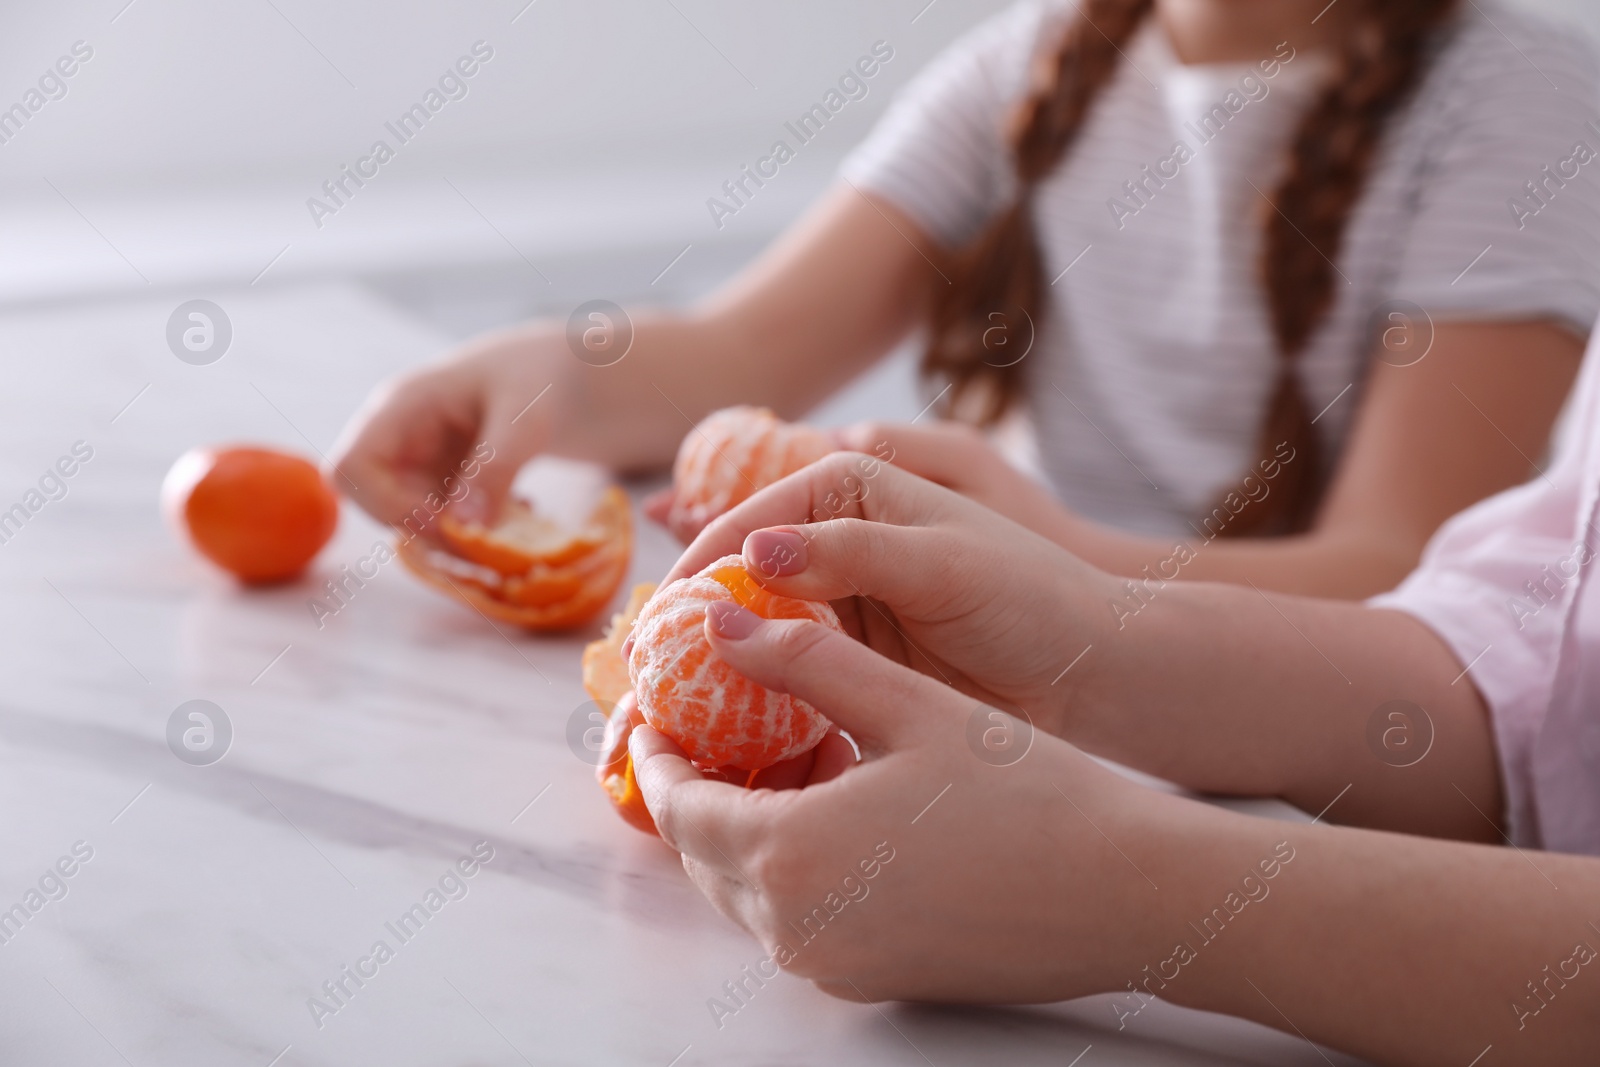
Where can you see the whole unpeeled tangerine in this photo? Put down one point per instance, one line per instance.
(717, 715)
(258, 513)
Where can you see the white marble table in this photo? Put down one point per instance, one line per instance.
(367, 758)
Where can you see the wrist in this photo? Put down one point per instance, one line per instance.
(1063, 525)
(1214, 869)
(1135, 859)
(1091, 654)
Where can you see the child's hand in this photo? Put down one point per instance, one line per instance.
(959, 457)
(950, 454)
(923, 575)
(926, 871)
(458, 430)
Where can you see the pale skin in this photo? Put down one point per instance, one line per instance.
(1404, 949)
(1430, 439)
(1053, 877)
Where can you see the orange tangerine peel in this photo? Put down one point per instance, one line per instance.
(719, 717)
(605, 678)
(522, 538)
(615, 771)
(605, 672)
(737, 451)
(520, 571)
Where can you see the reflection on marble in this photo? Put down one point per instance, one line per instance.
(368, 757)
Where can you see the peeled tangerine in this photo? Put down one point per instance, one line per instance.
(528, 569)
(258, 513)
(718, 716)
(735, 452)
(726, 723)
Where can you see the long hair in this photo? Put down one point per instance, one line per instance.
(1380, 58)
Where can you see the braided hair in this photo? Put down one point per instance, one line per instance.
(1380, 58)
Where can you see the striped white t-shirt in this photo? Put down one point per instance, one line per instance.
(1147, 390)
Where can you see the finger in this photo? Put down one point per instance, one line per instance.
(687, 520)
(942, 452)
(833, 757)
(884, 705)
(843, 485)
(710, 821)
(365, 463)
(658, 506)
(789, 774)
(402, 442)
(372, 485)
(818, 765)
(498, 463)
(619, 726)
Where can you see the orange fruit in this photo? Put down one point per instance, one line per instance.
(526, 569)
(255, 512)
(718, 716)
(735, 452)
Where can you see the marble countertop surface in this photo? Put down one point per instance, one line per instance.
(207, 905)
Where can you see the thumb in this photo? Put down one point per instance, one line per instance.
(497, 462)
(883, 705)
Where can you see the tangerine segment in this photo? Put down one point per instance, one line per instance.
(605, 673)
(718, 716)
(737, 451)
(523, 539)
(258, 513)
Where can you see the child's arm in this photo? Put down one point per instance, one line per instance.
(1430, 440)
(836, 292)
(1229, 689)
(1222, 688)
(1401, 949)
(928, 872)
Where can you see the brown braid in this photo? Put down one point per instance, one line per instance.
(1003, 269)
(1382, 56)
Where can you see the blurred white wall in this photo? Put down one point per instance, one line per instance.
(184, 151)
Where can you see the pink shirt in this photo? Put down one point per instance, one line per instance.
(1509, 585)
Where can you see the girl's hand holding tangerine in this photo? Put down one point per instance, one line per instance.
(734, 453)
(923, 872)
(934, 870)
(921, 574)
(940, 583)
(961, 457)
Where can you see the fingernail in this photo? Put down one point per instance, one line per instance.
(732, 621)
(775, 553)
(627, 648)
